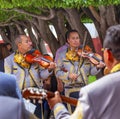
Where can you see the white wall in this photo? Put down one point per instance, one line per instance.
(92, 30)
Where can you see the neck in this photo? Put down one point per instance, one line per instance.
(21, 51)
(116, 67)
(73, 48)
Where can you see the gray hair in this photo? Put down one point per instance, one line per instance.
(112, 40)
(18, 40)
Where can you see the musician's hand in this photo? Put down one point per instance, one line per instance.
(73, 76)
(51, 66)
(54, 100)
(101, 65)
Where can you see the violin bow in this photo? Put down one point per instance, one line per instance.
(84, 43)
(80, 64)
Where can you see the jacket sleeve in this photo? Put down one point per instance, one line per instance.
(83, 109)
(60, 112)
(61, 71)
(8, 62)
(94, 70)
(44, 73)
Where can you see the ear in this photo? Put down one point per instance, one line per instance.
(68, 41)
(19, 44)
(110, 56)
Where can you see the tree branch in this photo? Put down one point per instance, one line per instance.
(49, 17)
(95, 14)
(6, 24)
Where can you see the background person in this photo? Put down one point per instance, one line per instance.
(9, 47)
(3, 54)
(11, 103)
(8, 86)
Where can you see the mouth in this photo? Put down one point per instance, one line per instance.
(31, 47)
(76, 44)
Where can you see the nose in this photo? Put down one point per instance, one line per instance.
(30, 42)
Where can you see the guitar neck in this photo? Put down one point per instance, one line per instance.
(35, 93)
(65, 99)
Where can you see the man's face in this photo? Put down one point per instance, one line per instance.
(107, 58)
(9, 47)
(74, 40)
(26, 44)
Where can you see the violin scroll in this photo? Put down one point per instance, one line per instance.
(106, 71)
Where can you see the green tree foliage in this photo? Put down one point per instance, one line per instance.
(35, 5)
(54, 3)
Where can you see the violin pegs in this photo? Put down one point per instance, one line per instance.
(44, 94)
(37, 92)
(40, 101)
(31, 91)
(34, 101)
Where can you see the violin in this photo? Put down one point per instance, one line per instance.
(93, 57)
(35, 56)
(74, 55)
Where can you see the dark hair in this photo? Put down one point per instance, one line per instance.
(67, 35)
(10, 48)
(4, 52)
(112, 40)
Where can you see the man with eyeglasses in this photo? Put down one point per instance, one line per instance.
(28, 74)
(101, 99)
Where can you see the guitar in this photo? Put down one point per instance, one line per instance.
(36, 93)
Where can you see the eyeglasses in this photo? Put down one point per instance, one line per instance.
(103, 49)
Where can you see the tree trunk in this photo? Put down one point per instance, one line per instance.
(108, 18)
(48, 36)
(59, 24)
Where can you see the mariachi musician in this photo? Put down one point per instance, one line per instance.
(77, 66)
(28, 74)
